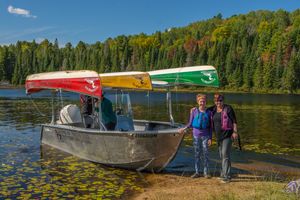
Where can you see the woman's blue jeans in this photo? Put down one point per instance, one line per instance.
(201, 153)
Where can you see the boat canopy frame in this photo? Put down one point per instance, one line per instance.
(91, 83)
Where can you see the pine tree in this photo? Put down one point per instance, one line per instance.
(56, 56)
(115, 60)
(2, 64)
(10, 62)
(289, 79)
(278, 67)
(257, 77)
(81, 56)
(297, 70)
(268, 75)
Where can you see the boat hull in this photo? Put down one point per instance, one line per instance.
(148, 150)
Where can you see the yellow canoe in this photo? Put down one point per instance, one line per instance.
(130, 80)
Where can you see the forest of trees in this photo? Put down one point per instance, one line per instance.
(258, 51)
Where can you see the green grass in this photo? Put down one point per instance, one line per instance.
(263, 190)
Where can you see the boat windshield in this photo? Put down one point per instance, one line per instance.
(123, 110)
(121, 103)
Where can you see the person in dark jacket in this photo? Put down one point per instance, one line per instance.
(201, 122)
(86, 109)
(108, 116)
(225, 127)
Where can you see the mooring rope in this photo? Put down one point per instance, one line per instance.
(42, 114)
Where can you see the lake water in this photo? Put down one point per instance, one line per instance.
(268, 124)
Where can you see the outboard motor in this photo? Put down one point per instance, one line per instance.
(70, 114)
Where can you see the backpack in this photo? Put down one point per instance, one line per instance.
(201, 120)
(293, 187)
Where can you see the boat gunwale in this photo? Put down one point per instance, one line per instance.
(132, 133)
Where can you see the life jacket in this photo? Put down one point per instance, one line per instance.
(225, 120)
(201, 120)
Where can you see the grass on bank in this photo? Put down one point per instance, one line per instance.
(262, 190)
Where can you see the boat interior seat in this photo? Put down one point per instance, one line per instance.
(150, 126)
(70, 114)
(92, 121)
(124, 123)
(88, 121)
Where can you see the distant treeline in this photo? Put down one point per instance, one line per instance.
(258, 51)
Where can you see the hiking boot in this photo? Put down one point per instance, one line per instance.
(222, 177)
(196, 175)
(225, 180)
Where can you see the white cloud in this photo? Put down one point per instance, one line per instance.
(20, 11)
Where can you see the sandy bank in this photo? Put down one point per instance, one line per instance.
(173, 187)
(255, 176)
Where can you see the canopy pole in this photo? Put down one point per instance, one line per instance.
(169, 103)
(102, 126)
(53, 110)
(61, 98)
(148, 103)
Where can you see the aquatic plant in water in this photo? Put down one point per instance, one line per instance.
(58, 175)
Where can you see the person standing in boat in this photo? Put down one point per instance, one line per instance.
(109, 118)
(225, 127)
(86, 109)
(201, 122)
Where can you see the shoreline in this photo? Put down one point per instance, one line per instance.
(233, 91)
(11, 87)
(193, 90)
(175, 187)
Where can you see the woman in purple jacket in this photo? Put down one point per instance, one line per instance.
(225, 127)
(201, 122)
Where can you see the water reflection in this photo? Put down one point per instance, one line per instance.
(263, 128)
(267, 123)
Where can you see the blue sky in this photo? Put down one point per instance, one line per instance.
(97, 20)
